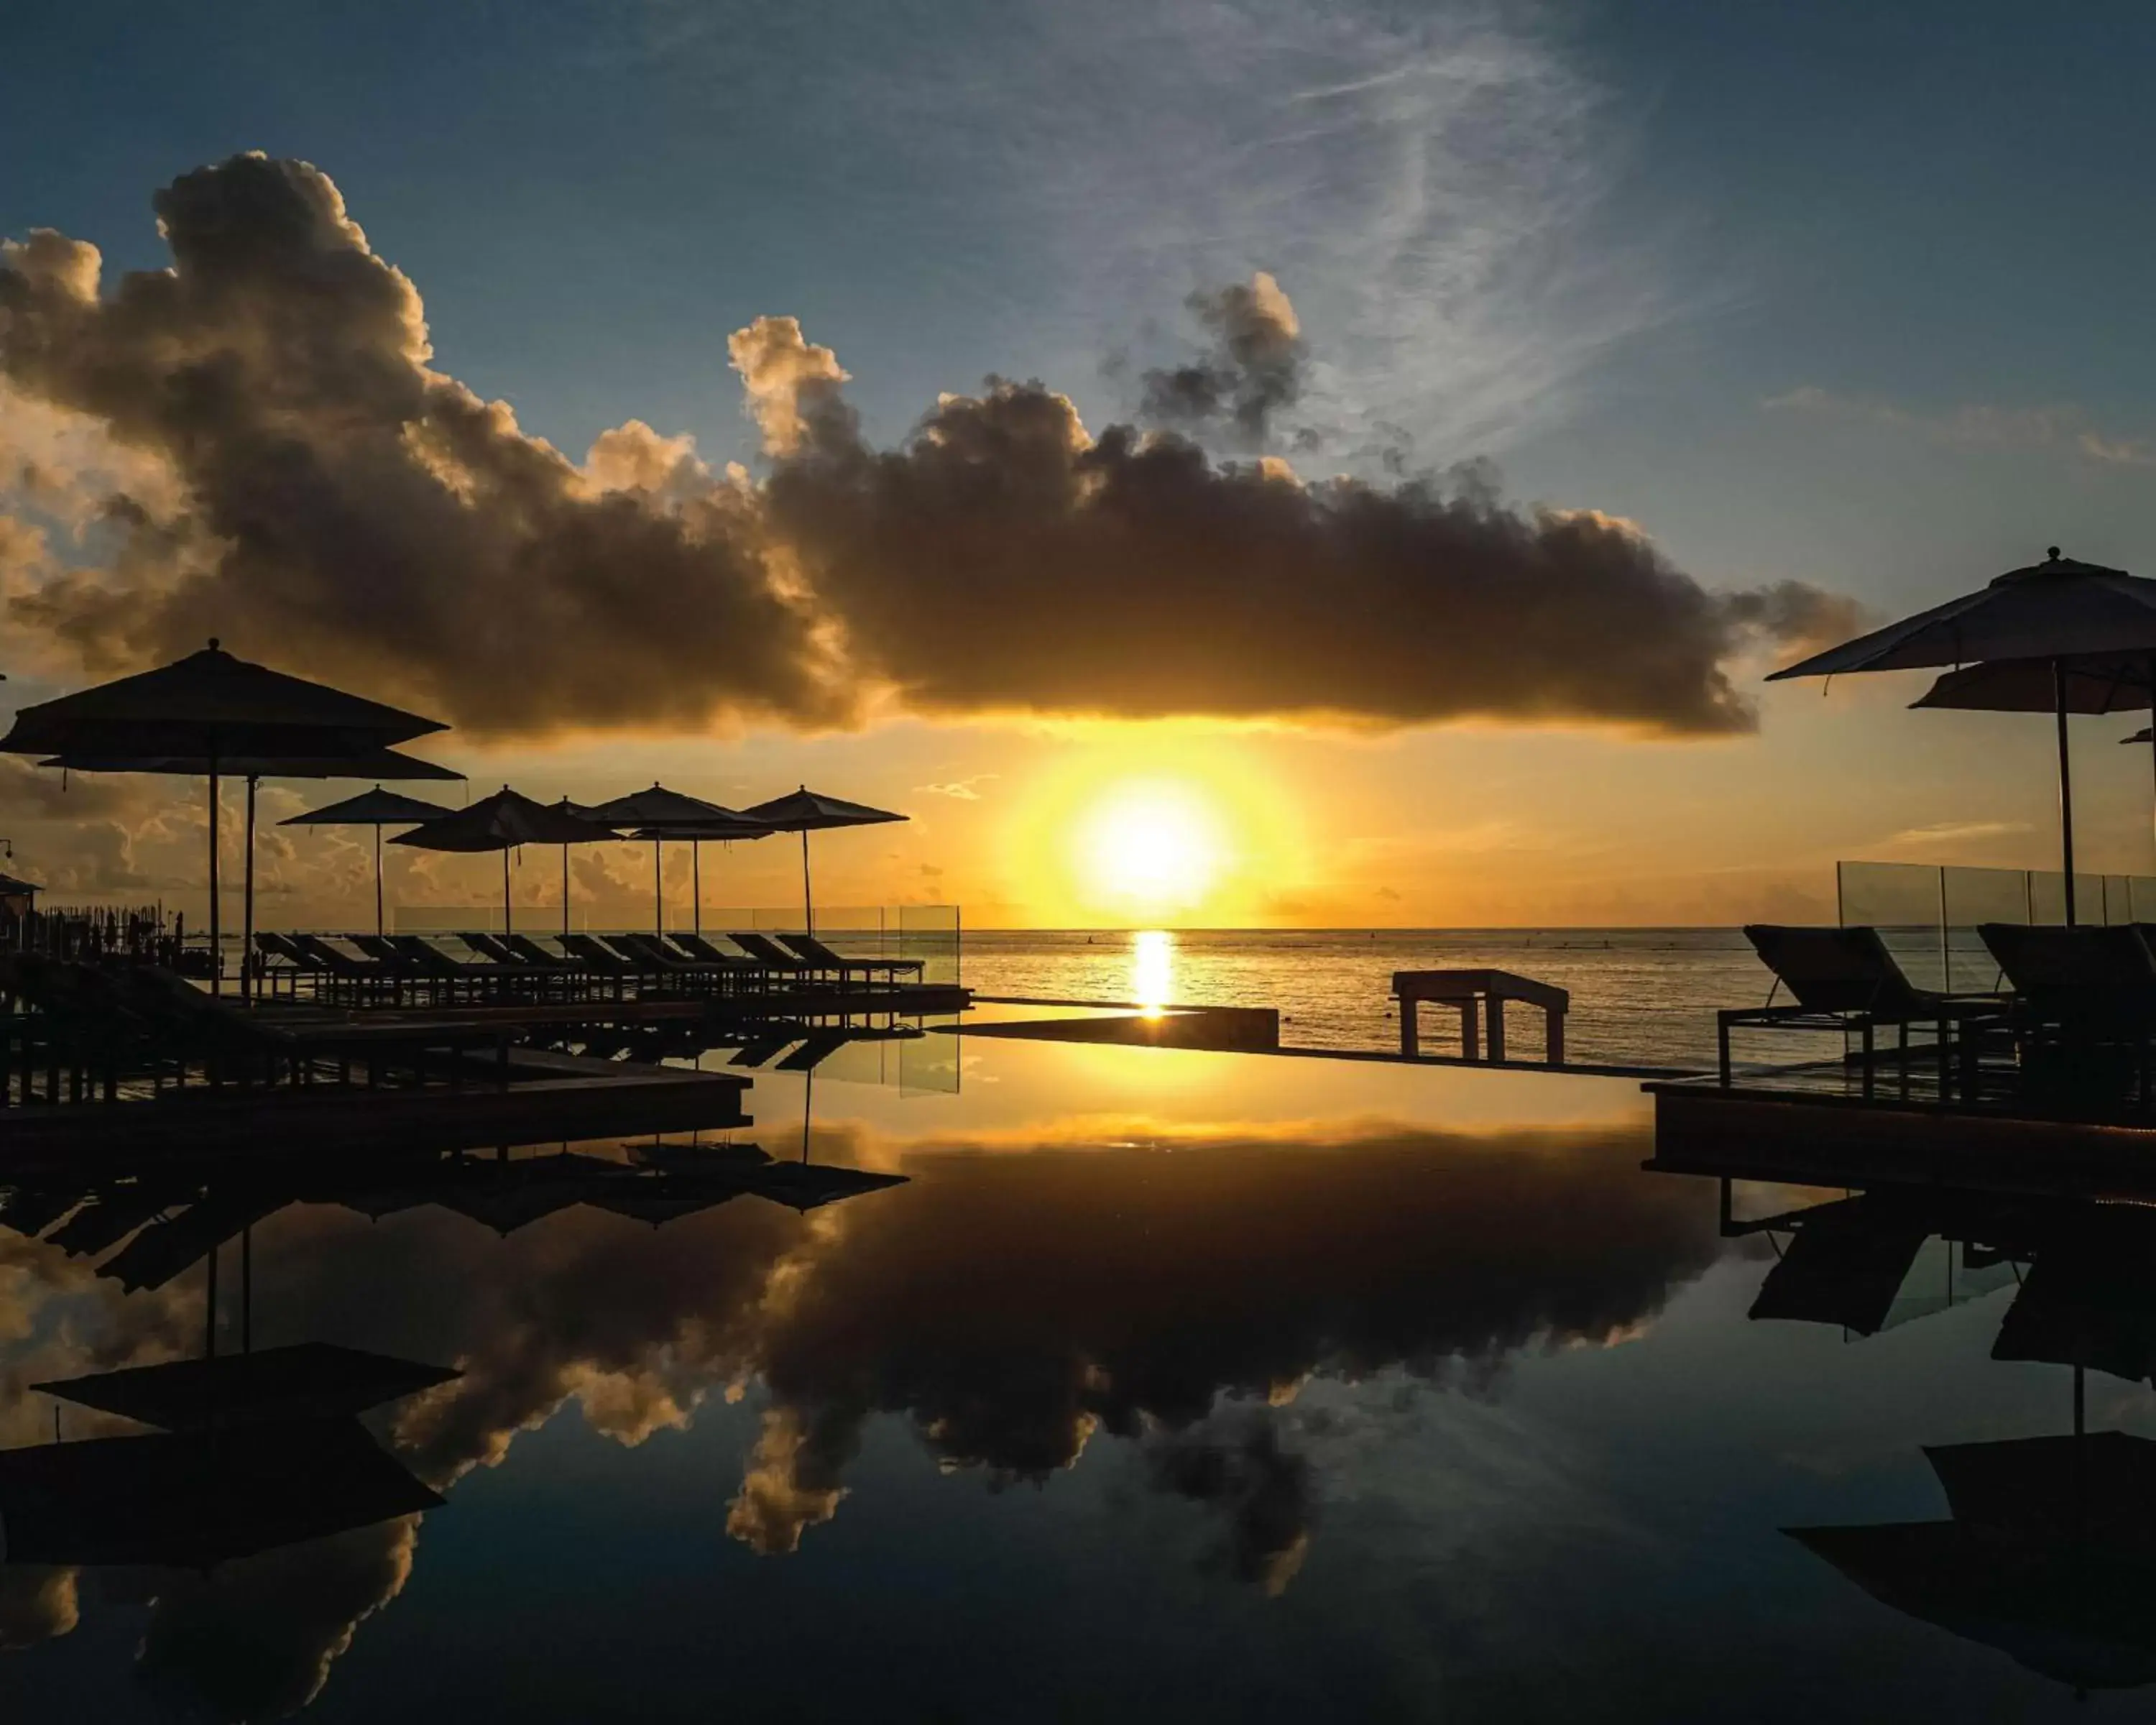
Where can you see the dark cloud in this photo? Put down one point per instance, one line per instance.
(324, 497)
(348, 509)
(1001, 559)
(1236, 1466)
(1252, 369)
(255, 1639)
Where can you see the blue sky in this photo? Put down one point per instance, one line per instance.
(1850, 294)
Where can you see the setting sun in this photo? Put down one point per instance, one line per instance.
(1154, 846)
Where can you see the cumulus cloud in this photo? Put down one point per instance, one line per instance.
(1252, 370)
(327, 495)
(361, 513)
(1234, 1464)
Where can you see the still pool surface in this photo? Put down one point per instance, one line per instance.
(1166, 1386)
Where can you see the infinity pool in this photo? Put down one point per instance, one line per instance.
(1165, 1386)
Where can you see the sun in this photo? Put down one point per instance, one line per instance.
(1149, 848)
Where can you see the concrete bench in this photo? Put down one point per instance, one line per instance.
(1479, 995)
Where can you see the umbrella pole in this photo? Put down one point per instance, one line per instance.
(378, 924)
(696, 886)
(658, 890)
(808, 898)
(247, 899)
(216, 950)
(2066, 786)
(505, 925)
(565, 889)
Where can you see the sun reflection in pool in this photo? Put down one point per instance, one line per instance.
(1153, 969)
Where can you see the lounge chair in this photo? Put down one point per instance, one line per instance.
(697, 948)
(768, 953)
(370, 974)
(1845, 979)
(2081, 976)
(651, 954)
(598, 958)
(815, 952)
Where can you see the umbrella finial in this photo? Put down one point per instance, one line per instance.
(2052, 552)
(213, 644)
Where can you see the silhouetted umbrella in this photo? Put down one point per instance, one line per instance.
(192, 1499)
(307, 1380)
(660, 815)
(376, 809)
(805, 811)
(2057, 611)
(212, 708)
(2050, 1556)
(502, 822)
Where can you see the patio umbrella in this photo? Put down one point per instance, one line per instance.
(376, 809)
(366, 763)
(213, 708)
(656, 812)
(726, 830)
(2100, 683)
(805, 811)
(502, 822)
(2059, 611)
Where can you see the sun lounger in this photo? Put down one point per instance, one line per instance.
(1845, 979)
(697, 948)
(2079, 975)
(599, 958)
(815, 952)
(647, 951)
(768, 954)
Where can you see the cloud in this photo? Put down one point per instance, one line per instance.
(1234, 1463)
(1003, 559)
(1253, 369)
(346, 508)
(964, 790)
(2061, 426)
(1962, 832)
(331, 499)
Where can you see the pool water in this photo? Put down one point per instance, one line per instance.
(1169, 1385)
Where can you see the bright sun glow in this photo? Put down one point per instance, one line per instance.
(1153, 847)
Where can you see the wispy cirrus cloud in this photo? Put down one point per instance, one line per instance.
(965, 790)
(1953, 832)
(2061, 426)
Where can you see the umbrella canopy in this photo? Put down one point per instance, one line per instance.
(212, 703)
(203, 714)
(2059, 609)
(657, 807)
(2111, 683)
(2046, 1557)
(805, 811)
(310, 763)
(502, 822)
(660, 815)
(2056, 612)
(376, 809)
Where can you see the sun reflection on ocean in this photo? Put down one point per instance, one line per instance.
(1153, 969)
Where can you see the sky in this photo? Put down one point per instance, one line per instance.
(1419, 430)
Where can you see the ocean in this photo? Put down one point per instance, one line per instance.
(1641, 996)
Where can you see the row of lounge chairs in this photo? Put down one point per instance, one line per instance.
(2078, 989)
(366, 965)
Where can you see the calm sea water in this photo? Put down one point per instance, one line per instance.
(1643, 996)
(1147, 1386)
